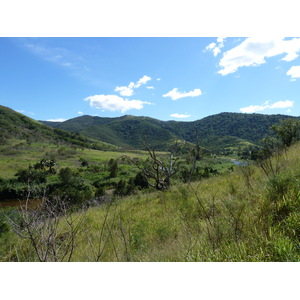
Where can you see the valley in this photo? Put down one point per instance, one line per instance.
(140, 189)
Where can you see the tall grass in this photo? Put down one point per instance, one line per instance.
(243, 215)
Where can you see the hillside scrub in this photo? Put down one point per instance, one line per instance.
(242, 215)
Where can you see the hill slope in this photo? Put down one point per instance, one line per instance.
(245, 216)
(16, 126)
(215, 132)
(126, 131)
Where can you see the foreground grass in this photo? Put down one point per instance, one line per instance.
(244, 215)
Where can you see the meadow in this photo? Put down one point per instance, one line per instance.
(248, 214)
(18, 155)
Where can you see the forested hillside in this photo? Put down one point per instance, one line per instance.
(216, 132)
(128, 131)
(18, 128)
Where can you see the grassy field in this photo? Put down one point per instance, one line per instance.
(18, 155)
(249, 214)
(241, 216)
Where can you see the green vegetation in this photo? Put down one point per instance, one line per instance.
(248, 213)
(20, 132)
(225, 133)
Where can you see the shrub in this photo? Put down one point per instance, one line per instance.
(140, 181)
(113, 168)
(31, 176)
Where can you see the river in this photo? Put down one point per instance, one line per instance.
(32, 203)
(239, 162)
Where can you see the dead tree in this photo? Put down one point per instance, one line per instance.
(157, 172)
(51, 230)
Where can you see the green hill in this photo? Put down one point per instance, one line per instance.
(24, 141)
(217, 132)
(127, 131)
(15, 126)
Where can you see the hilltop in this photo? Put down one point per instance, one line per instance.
(220, 133)
(217, 132)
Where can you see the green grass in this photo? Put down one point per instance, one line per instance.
(227, 218)
(14, 158)
(243, 215)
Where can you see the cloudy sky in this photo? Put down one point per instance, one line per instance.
(168, 78)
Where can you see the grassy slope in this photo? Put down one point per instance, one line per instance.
(246, 217)
(14, 125)
(239, 216)
(24, 141)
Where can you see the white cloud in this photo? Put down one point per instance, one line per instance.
(220, 39)
(282, 104)
(175, 95)
(294, 72)
(253, 109)
(256, 108)
(211, 46)
(128, 91)
(80, 113)
(180, 116)
(25, 112)
(114, 103)
(254, 51)
(216, 48)
(150, 87)
(60, 56)
(57, 120)
(142, 81)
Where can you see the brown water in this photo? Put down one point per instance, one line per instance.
(31, 203)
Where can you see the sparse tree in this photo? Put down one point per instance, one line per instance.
(156, 171)
(113, 168)
(288, 131)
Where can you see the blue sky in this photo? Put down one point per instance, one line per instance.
(168, 78)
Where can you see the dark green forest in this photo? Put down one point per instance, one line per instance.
(216, 132)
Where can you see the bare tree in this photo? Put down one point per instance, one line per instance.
(156, 171)
(51, 230)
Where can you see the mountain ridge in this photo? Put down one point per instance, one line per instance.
(219, 132)
(14, 125)
(213, 131)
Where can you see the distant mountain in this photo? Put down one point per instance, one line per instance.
(127, 131)
(215, 132)
(16, 126)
